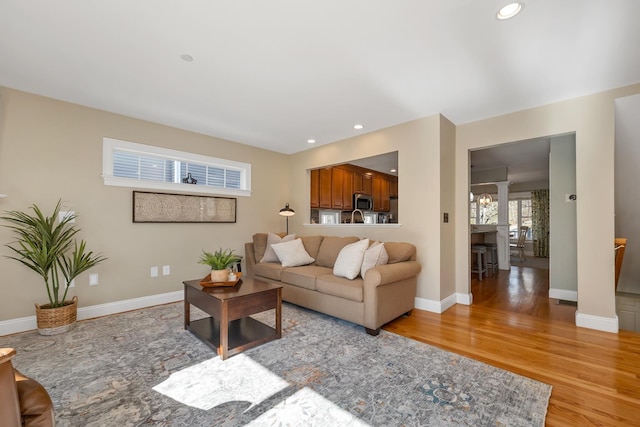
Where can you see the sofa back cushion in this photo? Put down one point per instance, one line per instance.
(312, 244)
(400, 251)
(260, 244)
(272, 239)
(331, 247)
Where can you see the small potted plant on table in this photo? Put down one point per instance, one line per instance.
(220, 261)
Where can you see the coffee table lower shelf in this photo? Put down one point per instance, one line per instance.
(244, 334)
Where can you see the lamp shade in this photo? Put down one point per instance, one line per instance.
(287, 211)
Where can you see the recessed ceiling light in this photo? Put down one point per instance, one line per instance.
(311, 141)
(186, 57)
(358, 126)
(394, 170)
(510, 10)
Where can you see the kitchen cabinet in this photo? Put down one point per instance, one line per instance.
(361, 182)
(315, 188)
(367, 185)
(324, 189)
(347, 190)
(337, 188)
(393, 187)
(380, 190)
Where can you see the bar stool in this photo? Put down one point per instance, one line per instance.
(480, 266)
(492, 250)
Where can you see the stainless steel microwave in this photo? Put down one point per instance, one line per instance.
(362, 202)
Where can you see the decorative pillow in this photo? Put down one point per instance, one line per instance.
(292, 253)
(374, 256)
(349, 259)
(269, 254)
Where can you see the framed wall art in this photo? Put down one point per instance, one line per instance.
(163, 207)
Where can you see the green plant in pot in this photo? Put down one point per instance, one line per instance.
(220, 262)
(49, 247)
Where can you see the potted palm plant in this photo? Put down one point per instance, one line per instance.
(220, 261)
(48, 246)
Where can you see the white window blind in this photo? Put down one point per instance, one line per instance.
(130, 164)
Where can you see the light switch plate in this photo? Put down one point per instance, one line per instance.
(154, 271)
(166, 270)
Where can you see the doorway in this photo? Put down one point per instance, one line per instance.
(548, 164)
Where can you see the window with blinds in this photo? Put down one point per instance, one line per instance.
(130, 164)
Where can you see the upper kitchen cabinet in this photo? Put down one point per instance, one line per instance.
(380, 190)
(324, 187)
(393, 186)
(315, 188)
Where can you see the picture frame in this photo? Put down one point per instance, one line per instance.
(149, 207)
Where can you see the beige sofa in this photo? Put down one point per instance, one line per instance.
(385, 293)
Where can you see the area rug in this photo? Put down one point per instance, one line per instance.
(142, 368)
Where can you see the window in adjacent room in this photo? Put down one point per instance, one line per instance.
(479, 214)
(520, 215)
(128, 164)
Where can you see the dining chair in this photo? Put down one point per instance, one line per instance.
(518, 247)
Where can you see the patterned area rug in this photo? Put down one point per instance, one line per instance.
(142, 368)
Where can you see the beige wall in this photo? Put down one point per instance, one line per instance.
(51, 149)
(592, 119)
(447, 202)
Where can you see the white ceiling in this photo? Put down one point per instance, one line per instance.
(275, 73)
(525, 161)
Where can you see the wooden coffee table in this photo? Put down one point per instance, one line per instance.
(229, 330)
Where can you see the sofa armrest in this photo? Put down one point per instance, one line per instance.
(389, 292)
(389, 273)
(249, 257)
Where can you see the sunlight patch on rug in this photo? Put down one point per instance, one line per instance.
(307, 408)
(214, 382)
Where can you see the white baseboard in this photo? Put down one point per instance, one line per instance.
(466, 299)
(563, 294)
(606, 324)
(13, 326)
(435, 306)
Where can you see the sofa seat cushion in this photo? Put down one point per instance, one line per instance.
(270, 270)
(341, 287)
(304, 276)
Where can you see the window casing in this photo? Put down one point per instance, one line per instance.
(129, 164)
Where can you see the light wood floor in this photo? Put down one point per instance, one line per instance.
(513, 325)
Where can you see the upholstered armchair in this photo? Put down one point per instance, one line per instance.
(23, 401)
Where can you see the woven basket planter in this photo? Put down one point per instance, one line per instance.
(53, 321)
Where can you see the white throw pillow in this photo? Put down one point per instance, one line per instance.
(374, 256)
(269, 254)
(292, 254)
(350, 258)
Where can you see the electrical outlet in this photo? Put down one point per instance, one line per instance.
(154, 271)
(93, 279)
(166, 270)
